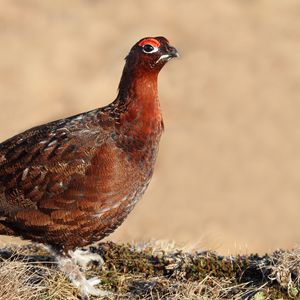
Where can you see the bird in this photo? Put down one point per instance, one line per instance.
(69, 183)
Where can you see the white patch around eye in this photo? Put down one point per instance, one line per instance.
(155, 49)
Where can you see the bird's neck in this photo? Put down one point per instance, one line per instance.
(137, 84)
(138, 93)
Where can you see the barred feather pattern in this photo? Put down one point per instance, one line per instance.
(73, 181)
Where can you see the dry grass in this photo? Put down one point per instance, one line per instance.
(19, 281)
(28, 273)
(155, 271)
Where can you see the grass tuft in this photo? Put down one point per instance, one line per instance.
(153, 271)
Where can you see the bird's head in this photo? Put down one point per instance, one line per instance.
(151, 54)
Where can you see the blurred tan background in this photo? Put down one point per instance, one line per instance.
(228, 174)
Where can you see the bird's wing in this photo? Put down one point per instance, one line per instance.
(38, 165)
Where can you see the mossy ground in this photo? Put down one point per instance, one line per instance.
(151, 272)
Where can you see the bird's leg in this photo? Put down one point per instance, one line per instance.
(83, 257)
(68, 265)
(86, 286)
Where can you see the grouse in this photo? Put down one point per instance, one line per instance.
(71, 182)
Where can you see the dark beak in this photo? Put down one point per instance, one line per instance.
(172, 52)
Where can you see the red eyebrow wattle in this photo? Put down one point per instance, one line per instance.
(149, 41)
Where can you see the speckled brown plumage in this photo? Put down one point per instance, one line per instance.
(71, 182)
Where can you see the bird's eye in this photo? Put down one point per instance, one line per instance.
(149, 48)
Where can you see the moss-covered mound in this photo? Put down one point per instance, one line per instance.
(152, 272)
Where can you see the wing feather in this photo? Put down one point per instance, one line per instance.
(37, 166)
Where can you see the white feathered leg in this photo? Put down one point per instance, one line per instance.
(83, 257)
(68, 265)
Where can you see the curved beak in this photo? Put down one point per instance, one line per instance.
(171, 52)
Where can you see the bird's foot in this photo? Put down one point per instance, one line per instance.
(83, 257)
(86, 286)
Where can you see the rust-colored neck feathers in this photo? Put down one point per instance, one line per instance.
(138, 92)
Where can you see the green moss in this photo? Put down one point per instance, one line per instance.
(151, 274)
